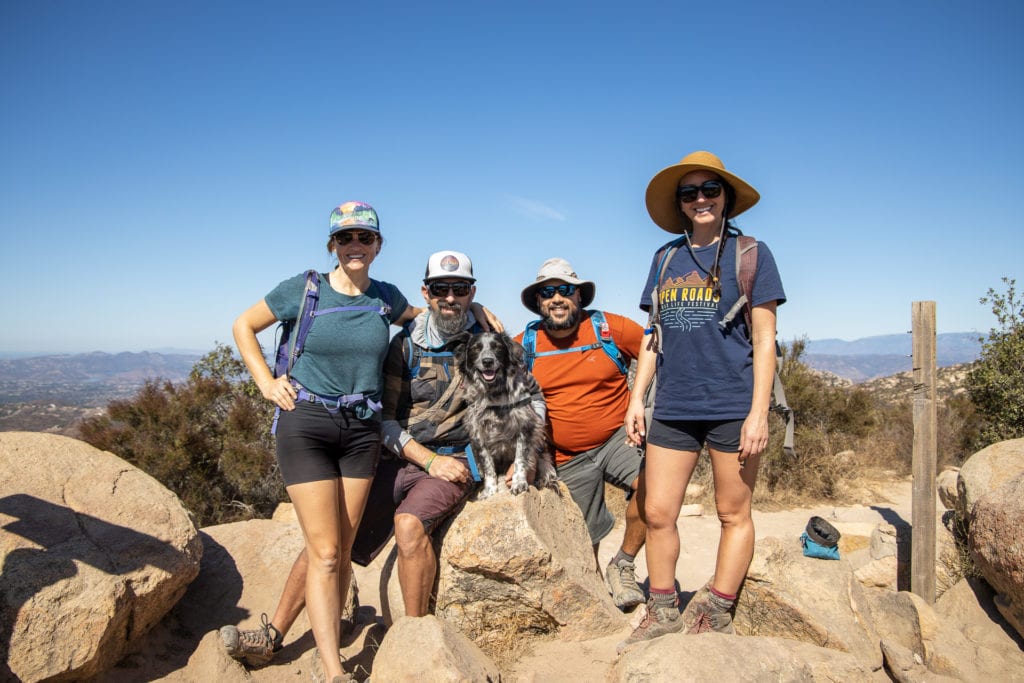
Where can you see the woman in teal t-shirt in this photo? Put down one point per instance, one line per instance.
(328, 429)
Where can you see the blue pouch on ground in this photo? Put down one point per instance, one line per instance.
(816, 550)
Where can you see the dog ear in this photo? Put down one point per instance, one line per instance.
(516, 352)
(462, 354)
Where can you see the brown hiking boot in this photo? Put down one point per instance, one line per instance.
(256, 646)
(656, 622)
(622, 581)
(707, 612)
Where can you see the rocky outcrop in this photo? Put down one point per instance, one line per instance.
(715, 656)
(523, 563)
(987, 470)
(788, 595)
(997, 546)
(946, 485)
(442, 654)
(95, 552)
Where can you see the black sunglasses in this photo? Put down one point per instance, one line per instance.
(366, 238)
(688, 193)
(548, 291)
(441, 289)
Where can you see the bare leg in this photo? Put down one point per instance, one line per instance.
(293, 597)
(636, 529)
(417, 564)
(666, 474)
(734, 489)
(329, 512)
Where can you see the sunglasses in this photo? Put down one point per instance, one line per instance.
(688, 193)
(441, 289)
(345, 237)
(549, 291)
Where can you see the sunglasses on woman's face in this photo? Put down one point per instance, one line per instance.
(549, 291)
(441, 289)
(688, 193)
(347, 236)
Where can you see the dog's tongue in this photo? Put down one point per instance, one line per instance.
(489, 375)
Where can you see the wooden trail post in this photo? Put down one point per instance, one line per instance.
(922, 549)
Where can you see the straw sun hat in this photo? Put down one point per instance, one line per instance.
(661, 191)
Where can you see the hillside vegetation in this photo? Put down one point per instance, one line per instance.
(208, 439)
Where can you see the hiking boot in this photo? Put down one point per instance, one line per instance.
(622, 580)
(708, 612)
(656, 622)
(256, 647)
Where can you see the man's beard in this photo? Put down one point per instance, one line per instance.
(569, 323)
(449, 325)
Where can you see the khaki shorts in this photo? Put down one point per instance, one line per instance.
(613, 462)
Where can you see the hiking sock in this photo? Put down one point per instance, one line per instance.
(722, 601)
(665, 597)
(621, 557)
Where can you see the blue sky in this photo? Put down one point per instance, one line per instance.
(163, 165)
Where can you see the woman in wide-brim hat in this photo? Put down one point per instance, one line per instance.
(714, 382)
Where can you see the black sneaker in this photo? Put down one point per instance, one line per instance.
(255, 647)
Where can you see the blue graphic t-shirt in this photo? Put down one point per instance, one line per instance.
(344, 351)
(706, 372)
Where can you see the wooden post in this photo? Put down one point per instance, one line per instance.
(922, 549)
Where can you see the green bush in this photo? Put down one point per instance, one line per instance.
(996, 382)
(207, 440)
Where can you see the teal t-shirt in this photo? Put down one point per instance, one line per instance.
(344, 352)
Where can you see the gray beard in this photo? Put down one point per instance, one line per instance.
(451, 326)
(569, 323)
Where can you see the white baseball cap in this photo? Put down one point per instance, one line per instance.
(449, 264)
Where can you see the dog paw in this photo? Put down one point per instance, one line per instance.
(486, 492)
(519, 488)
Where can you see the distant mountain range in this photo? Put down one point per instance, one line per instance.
(93, 379)
(87, 379)
(871, 357)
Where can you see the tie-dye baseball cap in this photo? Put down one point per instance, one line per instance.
(352, 215)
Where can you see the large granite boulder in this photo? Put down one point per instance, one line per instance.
(788, 595)
(996, 540)
(987, 470)
(715, 656)
(94, 552)
(523, 563)
(440, 653)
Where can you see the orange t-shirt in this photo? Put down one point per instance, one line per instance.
(586, 395)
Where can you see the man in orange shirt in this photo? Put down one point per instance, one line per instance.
(581, 359)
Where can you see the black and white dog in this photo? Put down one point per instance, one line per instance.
(503, 426)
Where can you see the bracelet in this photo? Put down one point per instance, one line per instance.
(429, 462)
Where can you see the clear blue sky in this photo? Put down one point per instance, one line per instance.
(164, 164)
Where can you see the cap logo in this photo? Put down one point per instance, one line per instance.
(449, 263)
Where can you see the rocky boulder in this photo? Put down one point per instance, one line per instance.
(987, 470)
(996, 540)
(525, 565)
(788, 595)
(715, 656)
(94, 553)
(429, 649)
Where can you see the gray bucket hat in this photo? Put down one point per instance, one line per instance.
(557, 269)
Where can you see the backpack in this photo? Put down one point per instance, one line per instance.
(289, 349)
(746, 271)
(601, 331)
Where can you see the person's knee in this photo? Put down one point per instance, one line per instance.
(734, 517)
(410, 536)
(659, 517)
(325, 558)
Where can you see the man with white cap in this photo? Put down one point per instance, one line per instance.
(581, 359)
